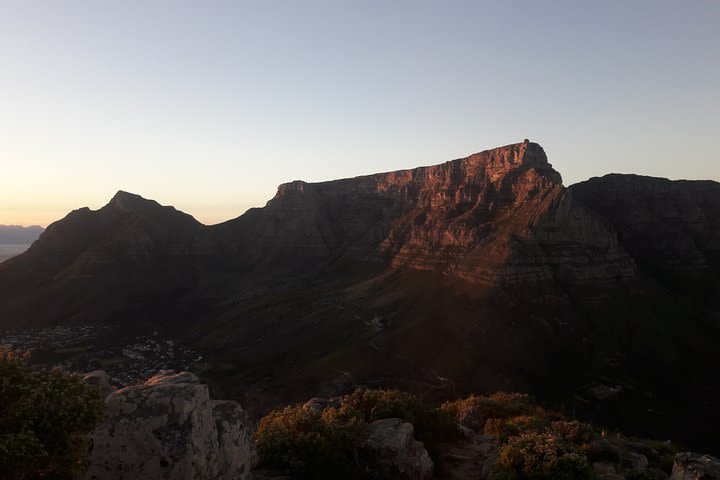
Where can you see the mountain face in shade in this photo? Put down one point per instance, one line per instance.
(92, 263)
(671, 228)
(128, 229)
(479, 274)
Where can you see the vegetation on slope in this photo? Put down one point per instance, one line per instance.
(537, 444)
(311, 444)
(534, 443)
(45, 417)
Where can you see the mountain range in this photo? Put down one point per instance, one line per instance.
(479, 274)
(18, 235)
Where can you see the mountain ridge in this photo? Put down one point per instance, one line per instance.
(17, 234)
(449, 209)
(475, 275)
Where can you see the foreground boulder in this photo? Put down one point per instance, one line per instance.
(392, 452)
(694, 466)
(168, 428)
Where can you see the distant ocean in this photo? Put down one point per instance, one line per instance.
(8, 251)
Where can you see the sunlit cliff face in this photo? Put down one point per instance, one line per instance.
(499, 216)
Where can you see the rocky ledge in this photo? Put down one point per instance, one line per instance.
(169, 428)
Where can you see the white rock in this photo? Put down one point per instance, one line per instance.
(168, 428)
(392, 452)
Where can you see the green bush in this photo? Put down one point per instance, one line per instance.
(572, 431)
(432, 425)
(541, 456)
(572, 466)
(307, 444)
(473, 411)
(510, 427)
(536, 444)
(45, 417)
(463, 410)
(378, 404)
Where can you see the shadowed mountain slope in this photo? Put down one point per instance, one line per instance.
(92, 264)
(671, 228)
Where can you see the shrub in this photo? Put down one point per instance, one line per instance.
(545, 456)
(474, 410)
(572, 466)
(432, 425)
(572, 431)
(45, 417)
(378, 404)
(311, 445)
(308, 444)
(462, 409)
(510, 427)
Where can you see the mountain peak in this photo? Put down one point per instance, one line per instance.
(514, 157)
(129, 201)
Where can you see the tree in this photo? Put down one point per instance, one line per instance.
(45, 418)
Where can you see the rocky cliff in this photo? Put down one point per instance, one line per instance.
(501, 216)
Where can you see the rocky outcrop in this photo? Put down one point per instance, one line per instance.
(391, 452)
(694, 466)
(99, 379)
(671, 228)
(236, 454)
(168, 428)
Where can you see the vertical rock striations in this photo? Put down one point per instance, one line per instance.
(168, 428)
(501, 216)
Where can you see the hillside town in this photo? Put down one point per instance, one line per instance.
(83, 349)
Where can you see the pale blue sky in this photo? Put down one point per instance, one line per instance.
(208, 106)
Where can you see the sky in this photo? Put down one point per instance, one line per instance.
(209, 106)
